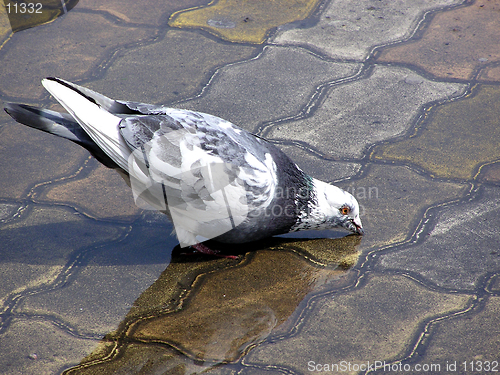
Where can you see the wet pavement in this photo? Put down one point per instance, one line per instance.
(396, 102)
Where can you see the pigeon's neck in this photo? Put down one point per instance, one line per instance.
(317, 212)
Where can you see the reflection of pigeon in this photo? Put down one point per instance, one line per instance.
(213, 179)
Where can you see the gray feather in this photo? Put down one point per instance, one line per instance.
(60, 124)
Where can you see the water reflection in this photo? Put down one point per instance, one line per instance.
(207, 311)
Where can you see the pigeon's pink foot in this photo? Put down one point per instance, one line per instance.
(206, 250)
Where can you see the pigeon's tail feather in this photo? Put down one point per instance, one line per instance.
(60, 124)
(46, 120)
(90, 110)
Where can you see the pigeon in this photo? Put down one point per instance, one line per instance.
(212, 179)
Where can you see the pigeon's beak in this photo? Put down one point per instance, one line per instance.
(358, 225)
(359, 230)
(354, 225)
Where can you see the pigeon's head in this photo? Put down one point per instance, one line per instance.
(339, 207)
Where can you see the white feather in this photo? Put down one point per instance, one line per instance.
(196, 214)
(99, 124)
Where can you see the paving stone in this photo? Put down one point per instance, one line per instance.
(7, 210)
(137, 358)
(350, 30)
(392, 201)
(110, 289)
(462, 246)
(456, 44)
(494, 285)
(168, 70)
(39, 347)
(4, 120)
(490, 73)
(28, 157)
(204, 295)
(66, 48)
(17, 277)
(357, 114)
(455, 140)
(243, 21)
(5, 28)
(101, 194)
(375, 322)
(276, 84)
(489, 173)
(263, 370)
(169, 291)
(109, 282)
(472, 338)
(37, 247)
(154, 13)
(238, 306)
(33, 14)
(227, 370)
(325, 170)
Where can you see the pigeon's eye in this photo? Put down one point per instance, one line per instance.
(345, 210)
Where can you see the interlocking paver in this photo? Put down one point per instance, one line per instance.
(456, 44)
(150, 359)
(350, 29)
(243, 21)
(490, 73)
(61, 49)
(237, 307)
(168, 69)
(458, 138)
(276, 84)
(153, 13)
(473, 339)
(392, 200)
(101, 194)
(489, 173)
(463, 245)
(81, 262)
(39, 245)
(324, 169)
(47, 158)
(359, 113)
(39, 347)
(127, 266)
(371, 323)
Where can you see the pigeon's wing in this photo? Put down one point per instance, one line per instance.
(128, 107)
(117, 107)
(109, 105)
(206, 173)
